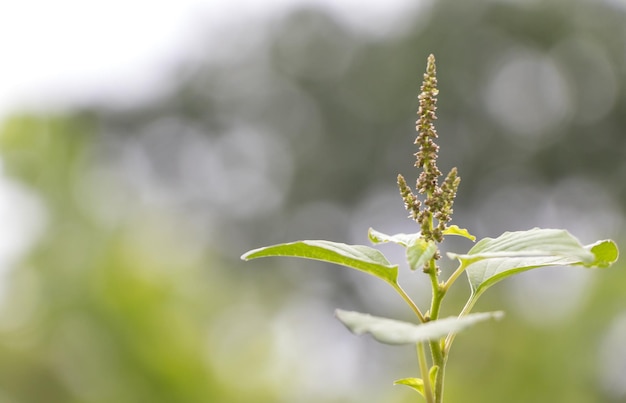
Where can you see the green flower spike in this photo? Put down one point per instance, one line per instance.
(438, 200)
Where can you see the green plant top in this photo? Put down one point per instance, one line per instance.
(485, 264)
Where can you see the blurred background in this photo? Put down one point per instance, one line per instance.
(145, 146)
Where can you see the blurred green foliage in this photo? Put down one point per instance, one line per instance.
(132, 290)
(99, 312)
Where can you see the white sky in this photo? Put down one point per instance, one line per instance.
(78, 49)
(52, 52)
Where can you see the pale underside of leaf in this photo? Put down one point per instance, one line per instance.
(418, 251)
(405, 240)
(390, 331)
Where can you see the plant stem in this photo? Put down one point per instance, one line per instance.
(453, 277)
(409, 301)
(428, 391)
(437, 351)
(436, 347)
(466, 309)
(436, 295)
(440, 375)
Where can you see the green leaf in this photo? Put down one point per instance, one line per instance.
(418, 250)
(390, 331)
(492, 260)
(416, 384)
(357, 257)
(405, 240)
(605, 251)
(455, 230)
(432, 374)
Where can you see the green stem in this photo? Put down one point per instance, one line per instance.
(453, 277)
(409, 301)
(436, 294)
(440, 377)
(438, 353)
(434, 277)
(466, 309)
(428, 391)
(436, 348)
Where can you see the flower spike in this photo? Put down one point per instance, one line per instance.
(438, 200)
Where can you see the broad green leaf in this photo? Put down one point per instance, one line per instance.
(416, 384)
(418, 250)
(493, 259)
(358, 257)
(455, 230)
(390, 331)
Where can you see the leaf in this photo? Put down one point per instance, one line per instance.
(418, 250)
(432, 374)
(455, 230)
(606, 252)
(405, 240)
(492, 260)
(416, 384)
(390, 331)
(357, 257)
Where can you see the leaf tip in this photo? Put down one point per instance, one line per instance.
(340, 314)
(497, 315)
(251, 254)
(605, 253)
(462, 232)
(372, 236)
(416, 384)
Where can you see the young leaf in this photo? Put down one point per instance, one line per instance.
(357, 257)
(405, 240)
(416, 384)
(390, 331)
(455, 230)
(432, 374)
(492, 260)
(418, 250)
